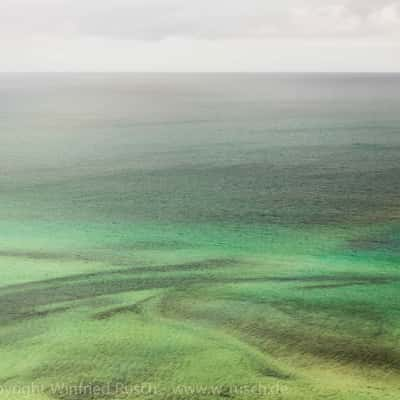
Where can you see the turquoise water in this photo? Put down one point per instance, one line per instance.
(227, 231)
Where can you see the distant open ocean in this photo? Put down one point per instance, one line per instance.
(251, 148)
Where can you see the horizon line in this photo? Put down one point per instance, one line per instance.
(203, 72)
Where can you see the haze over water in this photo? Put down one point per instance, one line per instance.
(259, 143)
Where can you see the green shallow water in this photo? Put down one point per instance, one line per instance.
(199, 237)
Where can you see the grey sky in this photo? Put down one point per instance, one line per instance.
(200, 35)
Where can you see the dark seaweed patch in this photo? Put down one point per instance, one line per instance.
(341, 349)
(365, 311)
(19, 301)
(191, 266)
(60, 256)
(44, 313)
(158, 245)
(134, 308)
(42, 255)
(23, 300)
(301, 333)
(340, 278)
(357, 282)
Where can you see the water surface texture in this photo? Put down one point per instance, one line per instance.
(199, 236)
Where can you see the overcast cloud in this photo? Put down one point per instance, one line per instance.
(177, 35)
